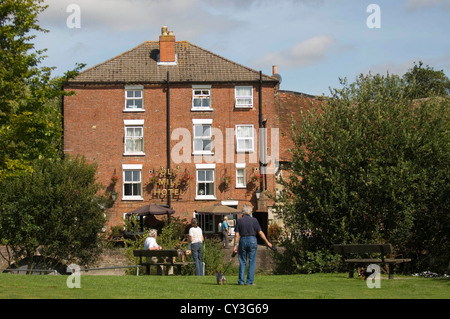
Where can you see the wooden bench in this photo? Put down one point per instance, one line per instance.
(384, 250)
(168, 255)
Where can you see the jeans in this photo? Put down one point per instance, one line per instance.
(196, 249)
(247, 247)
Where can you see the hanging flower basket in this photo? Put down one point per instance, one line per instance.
(227, 180)
(114, 179)
(185, 177)
(256, 178)
(153, 179)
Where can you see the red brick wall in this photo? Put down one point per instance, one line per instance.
(94, 127)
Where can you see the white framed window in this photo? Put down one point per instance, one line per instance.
(241, 181)
(243, 96)
(202, 136)
(201, 98)
(134, 98)
(205, 181)
(245, 138)
(134, 137)
(132, 182)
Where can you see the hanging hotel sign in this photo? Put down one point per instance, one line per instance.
(166, 182)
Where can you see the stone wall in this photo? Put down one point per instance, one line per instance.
(116, 258)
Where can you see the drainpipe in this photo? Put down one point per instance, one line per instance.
(261, 141)
(63, 155)
(168, 139)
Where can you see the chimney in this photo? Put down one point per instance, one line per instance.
(166, 46)
(275, 74)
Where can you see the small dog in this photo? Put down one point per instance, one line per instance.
(183, 253)
(221, 279)
(363, 273)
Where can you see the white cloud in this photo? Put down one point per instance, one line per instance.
(437, 63)
(391, 67)
(302, 54)
(187, 18)
(413, 5)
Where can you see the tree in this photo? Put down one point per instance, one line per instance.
(372, 165)
(424, 82)
(55, 210)
(29, 110)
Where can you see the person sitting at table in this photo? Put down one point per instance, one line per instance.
(151, 244)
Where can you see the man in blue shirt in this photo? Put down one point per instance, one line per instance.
(225, 232)
(245, 234)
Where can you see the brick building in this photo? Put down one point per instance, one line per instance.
(173, 124)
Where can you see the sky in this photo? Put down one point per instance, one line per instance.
(314, 43)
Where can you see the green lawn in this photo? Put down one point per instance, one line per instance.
(316, 286)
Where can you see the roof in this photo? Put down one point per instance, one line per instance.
(194, 64)
(290, 106)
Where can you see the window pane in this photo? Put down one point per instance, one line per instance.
(138, 103)
(139, 145)
(244, 101)
(244, 91)
(136, 176)
(136, 189)
(207, 130)
(205, 102)
(128, 190)
(198, 145)
(198, 131)
(129, 148)
(130, 104)
(128, 176)
(197, 102)
(201, 189)
(244, 131)
(209, 188)
(207, 145)
(201, 176)
(209, 175)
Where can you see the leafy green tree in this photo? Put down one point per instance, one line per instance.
(30, 120)
(372, 165)
(425, 81)
(55, 209)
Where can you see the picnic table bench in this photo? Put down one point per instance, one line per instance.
(384, 251)
(167, 255)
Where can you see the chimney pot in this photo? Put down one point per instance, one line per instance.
(163, 30)
(274, 70)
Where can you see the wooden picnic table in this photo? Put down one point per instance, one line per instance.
(166, 257)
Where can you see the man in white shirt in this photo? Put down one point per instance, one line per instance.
(150, 241)
(151, 244)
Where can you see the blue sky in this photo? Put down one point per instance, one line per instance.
(312, 42)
